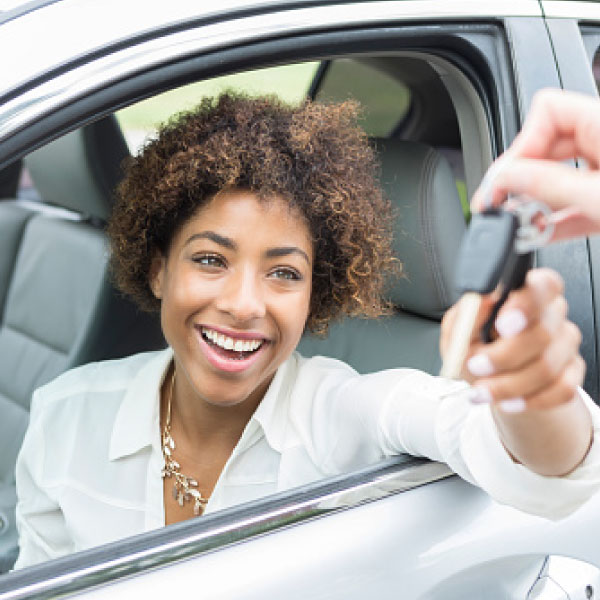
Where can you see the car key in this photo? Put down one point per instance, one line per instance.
(497, 249)
(484, 252)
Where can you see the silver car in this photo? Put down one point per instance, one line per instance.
(453, 80)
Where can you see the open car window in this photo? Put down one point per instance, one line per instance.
(385, 86)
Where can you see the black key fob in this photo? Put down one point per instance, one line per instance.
(488, 259)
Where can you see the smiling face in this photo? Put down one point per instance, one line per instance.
(235, 294)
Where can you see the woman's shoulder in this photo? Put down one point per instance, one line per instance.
(103, 378)
(322, 366)
(326, 366)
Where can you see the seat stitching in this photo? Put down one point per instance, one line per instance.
(29, 336)
(5, 394)
(3, 301)
(427, 227)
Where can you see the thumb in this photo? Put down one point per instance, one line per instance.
(573, 192)
(450, 319)
(556, 184)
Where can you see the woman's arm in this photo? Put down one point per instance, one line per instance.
(552, 441)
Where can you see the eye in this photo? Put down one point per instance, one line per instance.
(209, 260)
(286, 274)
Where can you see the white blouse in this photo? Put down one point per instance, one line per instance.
(89, 468)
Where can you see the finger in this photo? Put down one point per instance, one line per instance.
(509, 354)
(556, 184)
(563, 149)
(450, 317)
(563, 389)
(486, 194)
(537, 375)
(555, 115)
(571, 222)
(522, 309)
(527, 305)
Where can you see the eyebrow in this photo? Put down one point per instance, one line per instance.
(214, 237)
(285, 251)
(231, 245)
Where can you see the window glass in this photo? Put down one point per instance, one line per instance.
(289, 82)
(386, 100)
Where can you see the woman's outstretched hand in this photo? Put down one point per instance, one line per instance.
(560, 125)
(530, 375)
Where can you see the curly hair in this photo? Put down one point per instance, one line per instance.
(315, 156)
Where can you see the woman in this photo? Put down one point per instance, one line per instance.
(246, 222)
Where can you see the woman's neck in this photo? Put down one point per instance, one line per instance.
(196, 423)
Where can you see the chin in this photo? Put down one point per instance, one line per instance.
(233, 395)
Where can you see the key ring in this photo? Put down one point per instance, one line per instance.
(535, 226)
(535, 223)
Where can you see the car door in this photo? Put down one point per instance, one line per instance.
(405, 527)
(574, 31)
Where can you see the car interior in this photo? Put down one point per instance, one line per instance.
(59, 309)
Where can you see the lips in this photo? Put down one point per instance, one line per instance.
(227, 342)
(230, 351)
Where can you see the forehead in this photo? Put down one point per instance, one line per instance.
(240, 212)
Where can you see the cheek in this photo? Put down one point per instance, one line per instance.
(295, 313)
(187, 292)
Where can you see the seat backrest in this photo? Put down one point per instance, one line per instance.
(429, 225)
(58, 308)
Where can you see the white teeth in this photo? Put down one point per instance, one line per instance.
(231, 343)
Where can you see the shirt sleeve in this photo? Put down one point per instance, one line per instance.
(40, 522)
(469, 442)
(408, 411)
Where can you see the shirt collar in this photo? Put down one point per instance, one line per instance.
(137, 422)
(272, 413)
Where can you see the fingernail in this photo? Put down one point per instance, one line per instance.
(510, 322)
(480, 365)
(539, 281)
(479, 394)
(512, 405)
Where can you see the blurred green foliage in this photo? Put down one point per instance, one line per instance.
(289, 82)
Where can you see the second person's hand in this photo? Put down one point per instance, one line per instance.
(560, 125)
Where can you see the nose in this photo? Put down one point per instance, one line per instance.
(242, 296)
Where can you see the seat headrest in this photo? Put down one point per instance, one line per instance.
(80, 170)
(429, 225)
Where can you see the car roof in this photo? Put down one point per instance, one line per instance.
(68, 30)
(81, 46)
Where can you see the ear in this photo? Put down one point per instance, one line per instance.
(157, 274)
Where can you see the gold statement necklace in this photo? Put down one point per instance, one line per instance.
(184, 488)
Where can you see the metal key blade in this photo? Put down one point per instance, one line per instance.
(468, 309)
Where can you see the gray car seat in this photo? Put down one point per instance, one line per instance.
(57, 306)
(429, 225)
